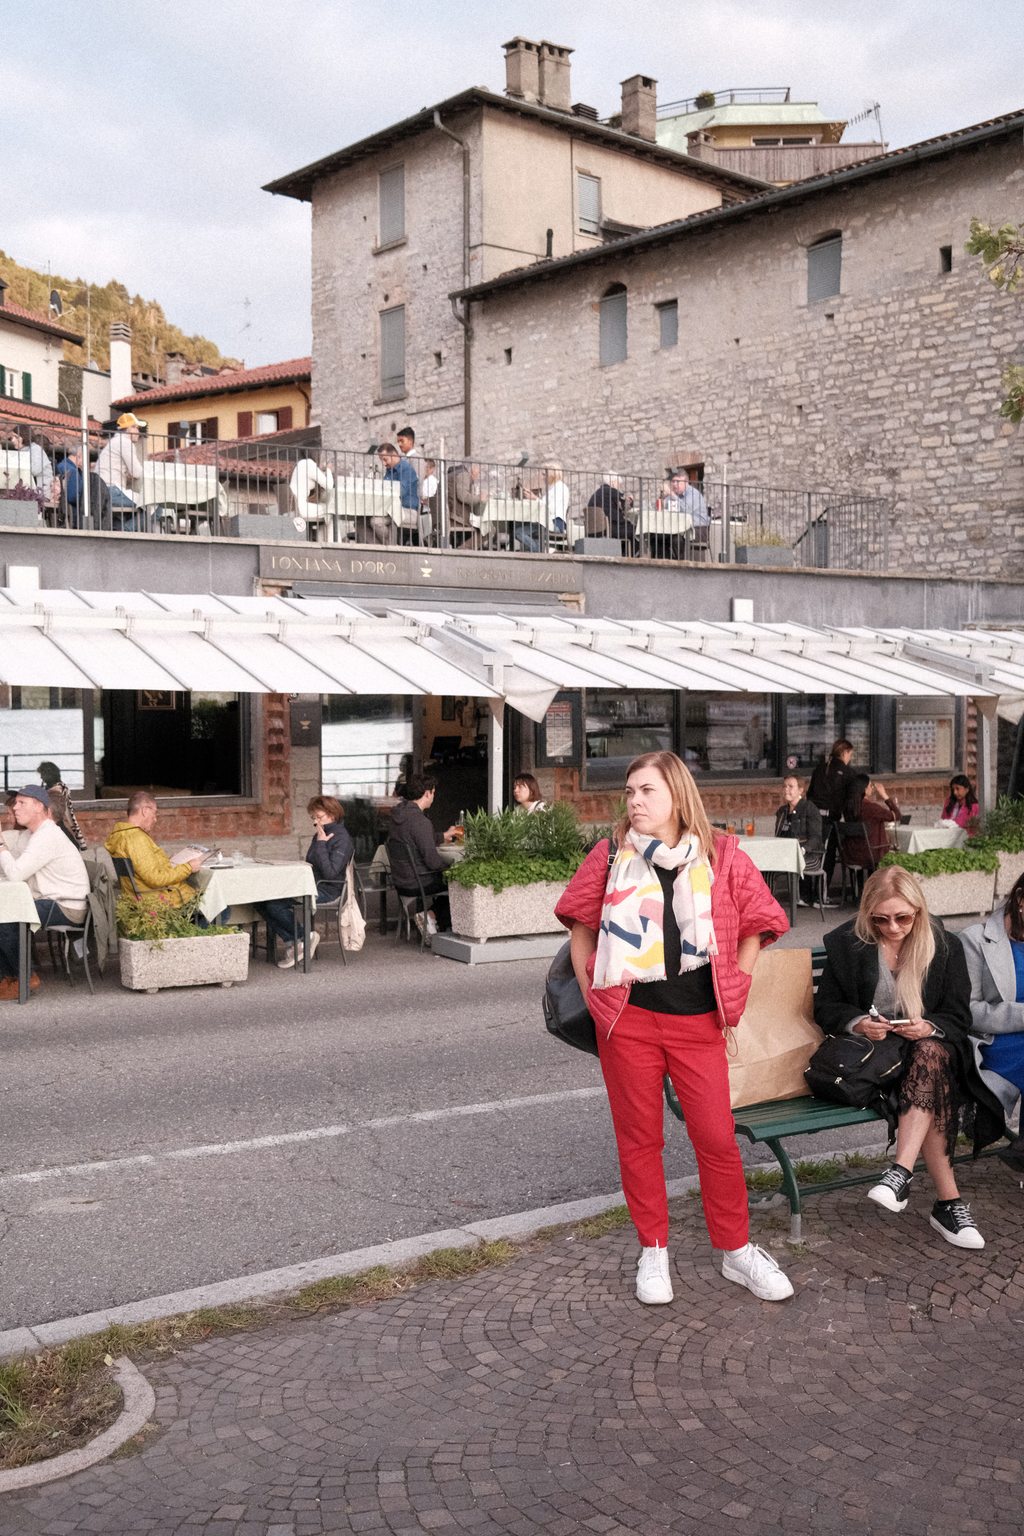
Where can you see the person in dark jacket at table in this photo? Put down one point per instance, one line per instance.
(418, 854)
(797, 817)
(827, 790)
(897, 959)
(330, 853)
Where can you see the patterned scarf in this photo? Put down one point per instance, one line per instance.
(631, 944)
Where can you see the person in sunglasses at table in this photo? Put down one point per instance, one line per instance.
(898, 960)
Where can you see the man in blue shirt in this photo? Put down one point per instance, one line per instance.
(398, 469)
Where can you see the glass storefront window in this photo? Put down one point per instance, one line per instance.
(365, 739)
(621, 726)
(41, 725)
(728, 733)
(853, 720)
(805, 731)
(167, 742)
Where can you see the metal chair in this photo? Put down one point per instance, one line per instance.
(335, 906)
(407, 905)
(124, 869)
(846, 831)
(66, 932)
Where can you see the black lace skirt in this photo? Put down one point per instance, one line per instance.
(930, 1083)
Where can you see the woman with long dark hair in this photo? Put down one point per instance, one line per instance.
(895, 970)
(663, 945)
(869, 802)
(962, 803)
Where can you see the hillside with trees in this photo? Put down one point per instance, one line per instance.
(89, 311)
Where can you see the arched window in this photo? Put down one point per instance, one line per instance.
(613, 325)
(824, 266)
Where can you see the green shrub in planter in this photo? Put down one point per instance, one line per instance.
(945, 861)
(155, 916)
(513, 848)
(1004, 827)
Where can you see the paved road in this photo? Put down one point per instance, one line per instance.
(159, 1088)
(540, 1399)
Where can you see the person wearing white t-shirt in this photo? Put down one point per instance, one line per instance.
(52, 867)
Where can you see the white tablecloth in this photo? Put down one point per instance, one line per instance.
(920, 839)
(239, 888)
(17, 904)
(450, 853)
(774, 853)
(178, 485)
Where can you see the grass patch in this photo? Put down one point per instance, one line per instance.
(380, 1283)
(811, 1171)
(607, 1221)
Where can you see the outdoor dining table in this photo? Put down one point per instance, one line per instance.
(239, 886)
(778, 854)
(17, 905)
(920, 839)
(380, 872)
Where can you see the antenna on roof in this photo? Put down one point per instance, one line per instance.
(56, 304)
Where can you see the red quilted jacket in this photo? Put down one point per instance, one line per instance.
(741, 905)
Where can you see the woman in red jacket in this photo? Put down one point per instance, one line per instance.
(663, 946)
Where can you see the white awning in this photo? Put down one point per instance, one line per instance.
(152, 640)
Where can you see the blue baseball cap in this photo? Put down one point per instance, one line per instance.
(35, 792)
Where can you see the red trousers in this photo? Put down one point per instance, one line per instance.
(635, 1056)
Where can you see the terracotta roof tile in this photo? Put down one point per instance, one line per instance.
(22, 316)
(295, 370)
(14, 411)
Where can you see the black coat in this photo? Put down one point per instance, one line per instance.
(802, 821)
(828, 786)
(847, 989)
(330, 859)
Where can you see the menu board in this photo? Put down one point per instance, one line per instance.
(924, 743)
(558, 729)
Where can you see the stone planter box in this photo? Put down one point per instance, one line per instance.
(19, 514)
(764, 554)
(952, 895)
(1011, 867)
(477, 913)
(219, 960)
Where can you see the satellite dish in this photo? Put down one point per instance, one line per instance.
(56, 305)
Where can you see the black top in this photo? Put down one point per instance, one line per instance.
(829, 783)
(802, 821)
(692, 992)
(330, 858)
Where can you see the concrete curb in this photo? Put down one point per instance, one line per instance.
(293, 1277)
(139, 1407)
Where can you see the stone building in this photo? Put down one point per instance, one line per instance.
(829, 334)
(454, 195)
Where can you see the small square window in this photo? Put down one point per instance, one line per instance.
(668, 324)
(266, 421)
(945, 258)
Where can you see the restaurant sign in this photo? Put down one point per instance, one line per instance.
(422, 569)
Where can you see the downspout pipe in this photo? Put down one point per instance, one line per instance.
(463, 318)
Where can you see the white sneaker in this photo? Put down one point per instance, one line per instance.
(653, 1286)
(418, 919)
(758, 1271)
(431, 924)
(289, 957)
(314, 940)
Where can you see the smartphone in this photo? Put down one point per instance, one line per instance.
(894, 1022)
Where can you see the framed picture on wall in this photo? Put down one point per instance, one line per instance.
(155, 698)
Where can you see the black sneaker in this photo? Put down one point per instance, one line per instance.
(954, 1220)
(892, 1188)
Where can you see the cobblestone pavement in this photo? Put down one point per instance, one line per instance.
(887, 1396)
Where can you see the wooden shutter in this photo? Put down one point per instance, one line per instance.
(209, 428)
(668, 317)
(824, 268)
(173, 435)
(392, 205)
(613, 329)
(245, 423)
(589, 188)
(392, 352)
(26, 386)
(284, 418)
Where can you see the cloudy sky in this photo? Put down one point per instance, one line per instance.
(137, 136)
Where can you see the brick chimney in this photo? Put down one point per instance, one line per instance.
(522, 69)
(701, 146)
(640, 107)
(554, 77)
(120, 360)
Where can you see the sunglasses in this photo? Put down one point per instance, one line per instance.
(901, 919)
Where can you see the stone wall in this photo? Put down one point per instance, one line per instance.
(889, 389)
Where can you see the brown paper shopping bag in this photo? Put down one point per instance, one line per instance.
(777, 1036)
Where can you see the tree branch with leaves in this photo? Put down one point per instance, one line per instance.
(1002, 253)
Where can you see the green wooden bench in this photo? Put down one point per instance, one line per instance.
(775, 1120)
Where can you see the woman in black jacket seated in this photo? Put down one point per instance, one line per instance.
(330, 854)
(897, 959)
(797, 817)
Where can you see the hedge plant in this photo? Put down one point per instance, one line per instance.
(513, 848)
(945, 861)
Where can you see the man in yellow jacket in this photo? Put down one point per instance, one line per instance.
(153, 869)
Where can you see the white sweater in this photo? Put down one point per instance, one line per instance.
(51, 865)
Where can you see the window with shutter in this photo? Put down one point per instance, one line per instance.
(3, 380)
(266, 421)
(245, 423)
(824, 267)
(208, 428)
(26, 386)
(613, 326)
(668, 323)
(392, 352)
(392, 204)
(284, 419)
(590, 204)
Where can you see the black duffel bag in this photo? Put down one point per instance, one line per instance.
(859, 1073)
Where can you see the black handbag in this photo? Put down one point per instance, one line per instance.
(566, 1015)
(860, 1073)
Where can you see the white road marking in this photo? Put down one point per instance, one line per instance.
(289, 1138)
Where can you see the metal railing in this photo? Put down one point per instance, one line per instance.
(270, 490)
(20, 767)
(776, 94)
(362, 774)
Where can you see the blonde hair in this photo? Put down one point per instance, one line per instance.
(918, 948)
(686, 801)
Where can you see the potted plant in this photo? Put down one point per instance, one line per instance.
(704, 101)
(762, 546)
(953, 880)
(515, 868)
(161, 945)
(21, 506)
(1004, 835)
